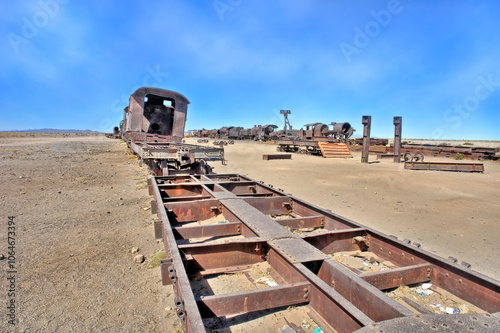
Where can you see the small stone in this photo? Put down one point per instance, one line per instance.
(20, 177)
(146, 208)
(286, 329)
(134, 250)
(168, 308)
(139, 259)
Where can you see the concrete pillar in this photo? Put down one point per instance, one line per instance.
(367, 122)
(397, 139)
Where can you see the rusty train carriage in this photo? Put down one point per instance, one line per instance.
(153, 126)
(299, 241)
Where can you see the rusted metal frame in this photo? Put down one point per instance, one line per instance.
(186, 307)
(370, 300)
(220, 178)
(373, 235)
(182, 181)
(224, 270)
(186, 198)
(328, 306)
(255, 300)
(255, 220)
(267, 157)
(400, 276)
(335, 310)
(219, 255)
(194, 210)
(245, 231)
(398, 252)
(266, 195)
(214, 230)
(244, 188)
(336, 241)
(317, 221)
(439, 166)
(471, 286)
(274, 205)
(367, 123)
(172, 190)
(296, 250)
(332, 221)
(261, 185)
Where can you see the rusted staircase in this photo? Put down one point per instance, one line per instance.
(334, 150)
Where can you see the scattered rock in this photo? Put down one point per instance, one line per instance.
(146, 208)
(286, 329)
(134, 250)
(168, 308)
(139, 259)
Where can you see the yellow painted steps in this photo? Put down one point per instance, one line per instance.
(334, 150)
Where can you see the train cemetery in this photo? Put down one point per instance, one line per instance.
(293, 230)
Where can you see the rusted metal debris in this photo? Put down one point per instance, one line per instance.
(153, 127)
(470, 153)
(267, 157)
(397, 138)
(334, 149)
(288, 137)
(443, 166)
(367, 124)
(304, 246)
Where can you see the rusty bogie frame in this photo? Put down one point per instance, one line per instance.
(254, 223)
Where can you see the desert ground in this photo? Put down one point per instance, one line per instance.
(81, 206)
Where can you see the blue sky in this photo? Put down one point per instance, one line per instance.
(73, 64)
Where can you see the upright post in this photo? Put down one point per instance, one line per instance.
(287, 126)
(397, 139)
(367, 122)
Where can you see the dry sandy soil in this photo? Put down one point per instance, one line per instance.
(79, 205)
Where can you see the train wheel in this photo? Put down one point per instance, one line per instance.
(418, 157)
(408, 157)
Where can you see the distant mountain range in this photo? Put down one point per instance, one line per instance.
(53, 130)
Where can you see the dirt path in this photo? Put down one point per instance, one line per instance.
(78, 203)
